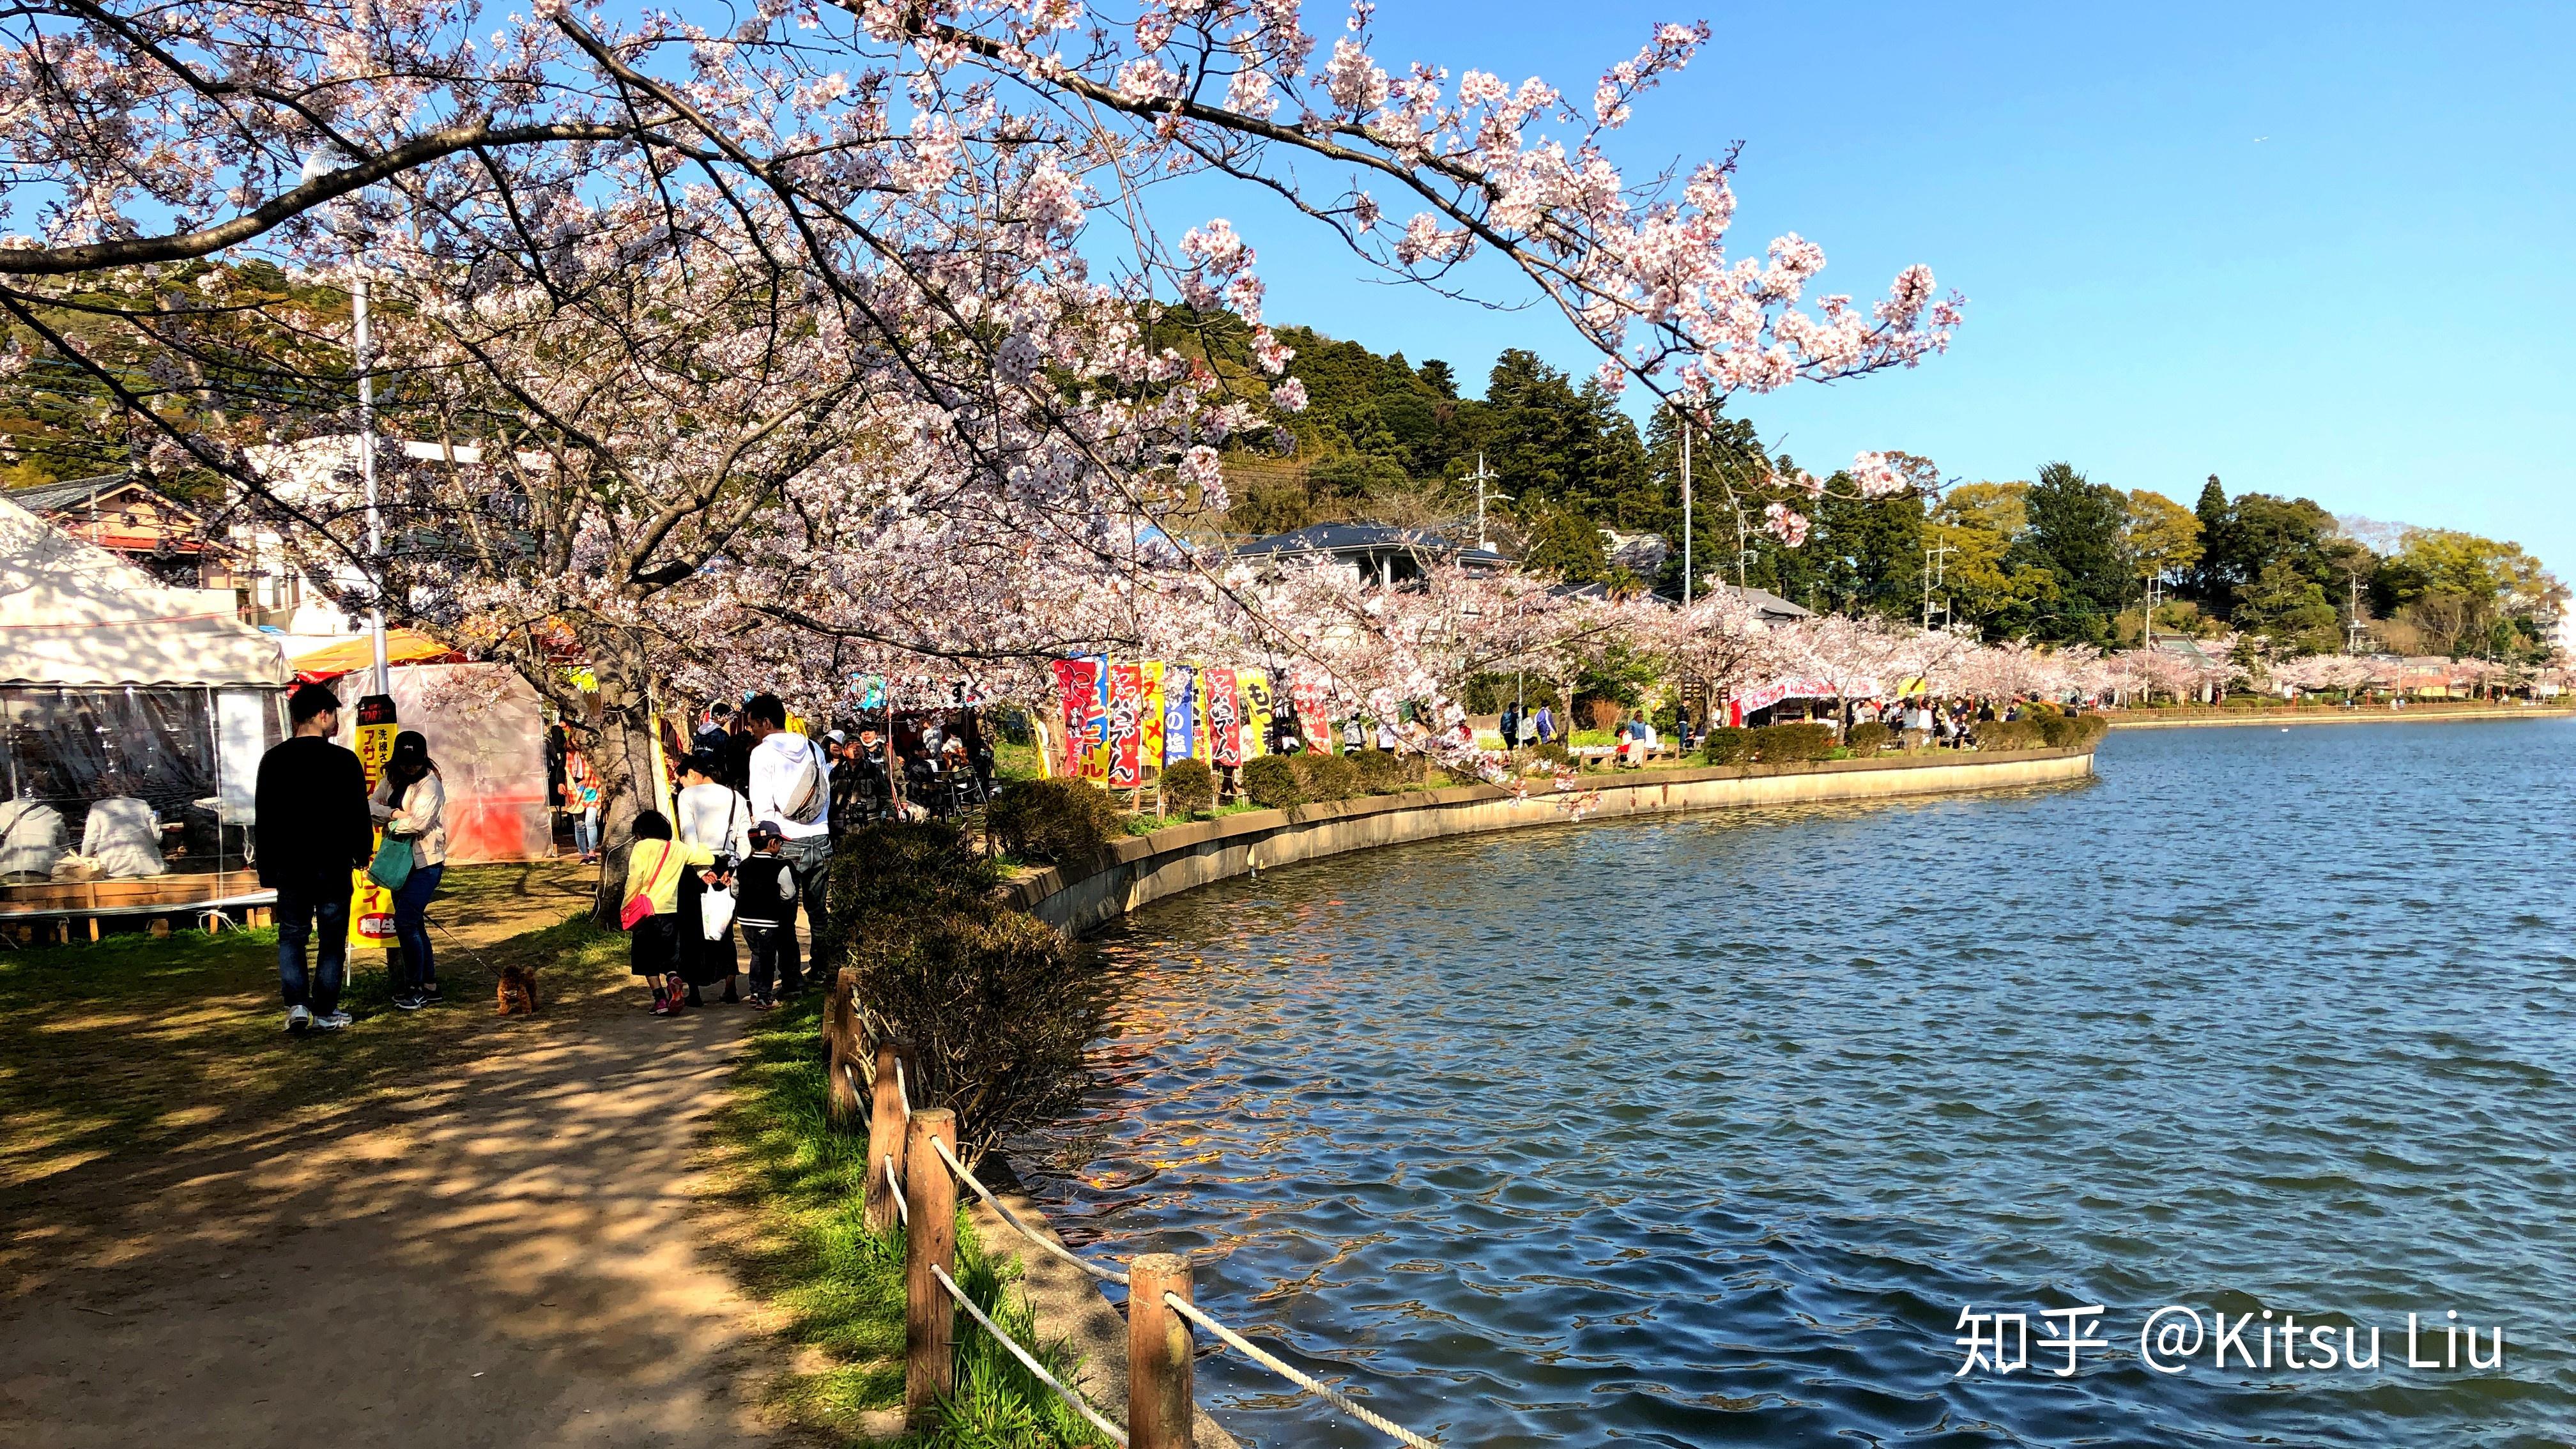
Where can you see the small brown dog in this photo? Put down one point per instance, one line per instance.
(518, 990)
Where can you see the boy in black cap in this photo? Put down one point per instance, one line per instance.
(765, 908)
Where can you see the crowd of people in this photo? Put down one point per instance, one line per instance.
(757, 811)
(760, 809)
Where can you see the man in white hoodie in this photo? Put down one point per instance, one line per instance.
(791, 785)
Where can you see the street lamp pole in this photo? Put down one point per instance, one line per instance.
(367, 470)
(1686, 512)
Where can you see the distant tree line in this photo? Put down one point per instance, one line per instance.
(2059, 558)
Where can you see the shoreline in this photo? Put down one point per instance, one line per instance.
(2416, 715)
(1139, 870)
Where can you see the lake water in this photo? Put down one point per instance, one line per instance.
(1707, 1130)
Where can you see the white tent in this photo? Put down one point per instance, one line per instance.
(132, 719)
(74, 615)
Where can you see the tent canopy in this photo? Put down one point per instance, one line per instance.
(402, 646)
(72, 613)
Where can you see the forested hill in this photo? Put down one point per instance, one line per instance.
(2061, 558)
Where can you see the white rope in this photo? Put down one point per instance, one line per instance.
(1116, 1435)
(1106, 1275)
(1240, 1344)
(902, 1093)
(894, 1184)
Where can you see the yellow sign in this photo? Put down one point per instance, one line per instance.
(371, 908)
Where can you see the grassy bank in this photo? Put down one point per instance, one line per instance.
(839, 1284)
(136, 1044)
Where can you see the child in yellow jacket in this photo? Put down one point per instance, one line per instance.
(654, 865)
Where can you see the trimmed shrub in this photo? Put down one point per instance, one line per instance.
(1726, 745)
(1867, 738)
(1189, 787)
(1383, 772)
(1056, 820)
(1553, 752)
(1327, 777)
(2020, 734)
(2090, 728)
(1782, 744)
(1271, 782)
(2055, 730)
(1000, 1007)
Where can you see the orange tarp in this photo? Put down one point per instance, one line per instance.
(402, 646)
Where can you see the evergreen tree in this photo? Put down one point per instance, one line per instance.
(2074, 532)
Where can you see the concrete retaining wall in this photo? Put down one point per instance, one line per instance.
(1138, 871)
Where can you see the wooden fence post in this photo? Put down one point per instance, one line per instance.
(930, 1239)
(841, 1050)
(1158, 1353)
(885, 1132)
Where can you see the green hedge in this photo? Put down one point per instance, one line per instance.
(1782, 744)
(1327, 777)
(1056, 820)
(1189, 788)
(1725, 745)
(1867, 738)
(1271, 782)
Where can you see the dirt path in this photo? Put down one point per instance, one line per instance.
(515, 1257)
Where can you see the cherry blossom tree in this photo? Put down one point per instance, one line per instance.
(803, 344)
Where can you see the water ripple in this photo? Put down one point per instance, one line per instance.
(1704, 1130)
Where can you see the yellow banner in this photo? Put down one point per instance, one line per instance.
(371, 906)
(1149, 719)
(1255, 685)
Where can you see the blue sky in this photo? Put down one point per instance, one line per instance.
(2371, 305)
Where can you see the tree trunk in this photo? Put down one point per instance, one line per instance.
(622, 757)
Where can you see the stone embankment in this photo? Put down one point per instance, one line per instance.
(1146, 868)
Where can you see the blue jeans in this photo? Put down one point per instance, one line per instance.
(302, 912)
(411, 928)
(585, 831)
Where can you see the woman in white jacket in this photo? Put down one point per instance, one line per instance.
(411, 803)
(711, 815)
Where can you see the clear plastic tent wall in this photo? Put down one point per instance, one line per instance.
(488, 737)
(123, 782)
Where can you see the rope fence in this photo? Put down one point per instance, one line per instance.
(911, 1184)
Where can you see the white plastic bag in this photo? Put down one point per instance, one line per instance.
(715, 912)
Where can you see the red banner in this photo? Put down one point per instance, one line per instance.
(1126, 725)
(1224, 715)
(1078, 680)
(1312, 700)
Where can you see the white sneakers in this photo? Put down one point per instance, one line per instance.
(297, 1018)
(333, 1021)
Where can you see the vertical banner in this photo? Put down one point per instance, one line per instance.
(1180, 713)
(1224, 716)
(1078, 681)
(1149, 717)
(371, 907)
(1312, 701)
(1125, 726)
(1256, 712)
(1095, 724)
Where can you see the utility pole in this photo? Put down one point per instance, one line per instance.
(1936, 573)
(1686, 512)
(367, 470)
(2155, 593)
(1481, 477)
(2352, 612)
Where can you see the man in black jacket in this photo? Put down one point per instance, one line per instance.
(312, 830)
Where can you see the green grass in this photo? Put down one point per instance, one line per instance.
(137, 1043)
(839, 1283)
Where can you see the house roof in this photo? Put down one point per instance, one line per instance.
(1768, 604)
(67, 492)
(1342, 540)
